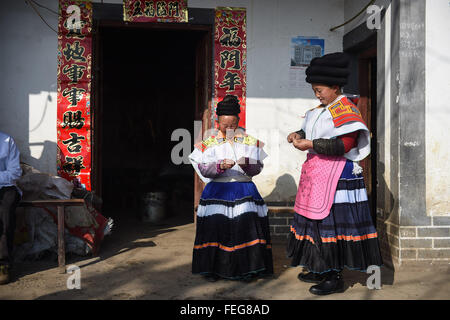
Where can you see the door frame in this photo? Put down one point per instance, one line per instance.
(367, 104)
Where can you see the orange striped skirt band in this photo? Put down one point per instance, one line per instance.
(335, 239)
(234, 248)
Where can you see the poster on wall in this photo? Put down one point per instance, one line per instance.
(74, 91)
(302, 51)
(230, 57)
(155, 11)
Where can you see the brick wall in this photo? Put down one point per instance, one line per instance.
(280, 218)
(423, 244)
(426, 243)
(389, 241)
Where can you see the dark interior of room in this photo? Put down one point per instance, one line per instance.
(148, 91)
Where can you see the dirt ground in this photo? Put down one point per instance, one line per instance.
(145, 261)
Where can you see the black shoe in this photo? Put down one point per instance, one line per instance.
(211, 277)
(332, 283)
(311, 277)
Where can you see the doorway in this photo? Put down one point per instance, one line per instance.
(364, 83)
(151, 80)
(367, 65)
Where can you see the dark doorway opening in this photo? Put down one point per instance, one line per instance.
(148, 86)
(368, 107)
(364, 83)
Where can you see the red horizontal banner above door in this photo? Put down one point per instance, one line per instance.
(155, 10)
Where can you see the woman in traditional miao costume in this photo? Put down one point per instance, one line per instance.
(332, 227)
(232, 238)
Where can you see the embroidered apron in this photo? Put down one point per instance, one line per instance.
(317, 186)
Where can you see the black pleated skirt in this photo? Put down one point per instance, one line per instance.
(345, 238)
(232, 237)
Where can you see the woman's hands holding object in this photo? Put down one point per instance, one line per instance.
(293, 136)
(302, 144)
(227, 164)
(298, 142)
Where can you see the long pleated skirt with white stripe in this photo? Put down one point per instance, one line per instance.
(347, 237)
(232, 237)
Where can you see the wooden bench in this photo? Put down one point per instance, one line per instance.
(60, 204)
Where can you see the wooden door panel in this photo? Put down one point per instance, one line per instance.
(364, 105)
(203, 91)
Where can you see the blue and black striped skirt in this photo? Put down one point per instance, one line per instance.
(232, 237)
(345, 238)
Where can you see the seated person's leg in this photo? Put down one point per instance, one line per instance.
(9, 198)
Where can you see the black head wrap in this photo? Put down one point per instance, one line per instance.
(330, 69)
(228, 106)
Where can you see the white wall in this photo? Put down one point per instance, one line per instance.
(273, 109)
(437, 66)
(28, 82)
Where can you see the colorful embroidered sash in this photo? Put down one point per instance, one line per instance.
(318, 182)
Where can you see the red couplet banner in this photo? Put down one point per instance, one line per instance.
(74, 91)
(230, 57)
(155, 10)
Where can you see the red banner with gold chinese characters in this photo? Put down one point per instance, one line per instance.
(230, 57)
(74, 91)
(155, 10)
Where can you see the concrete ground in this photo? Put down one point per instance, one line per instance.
(144, 261)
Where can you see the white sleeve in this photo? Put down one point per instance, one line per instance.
(195, 158)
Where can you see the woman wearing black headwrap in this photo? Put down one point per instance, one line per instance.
(232, 238)
(332, 227)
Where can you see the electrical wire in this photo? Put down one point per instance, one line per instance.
(42, 6)
(348, 21)
(34, 8)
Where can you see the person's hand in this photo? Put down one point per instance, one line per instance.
(293, 136)
(302, 144)
(227, 164)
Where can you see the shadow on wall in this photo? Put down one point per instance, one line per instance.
(383, 228)
(284, 192)
(46, 162)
